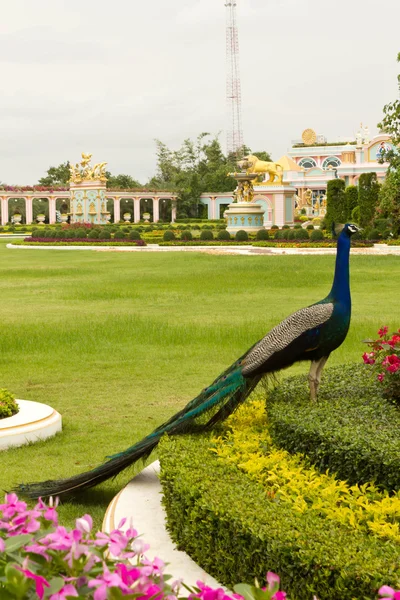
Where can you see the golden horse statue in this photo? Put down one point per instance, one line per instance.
(252, 164)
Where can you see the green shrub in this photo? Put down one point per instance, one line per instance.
(368, 194)
(93, 235)
(355, 214)
(223, 235)
(80, 233)
(278, 235)
(105, 235)
(316, 235)
(351, 193)
(374, 234)
(134, 235)
(301, 234)
(8, 405)
(262, 234)
(274, 227)
(290, 234)
(227, 524)
(148, 229)
(186, 235)
(206, 227)
(309, 227)
(119, 235)
(297, 226)
(61, 234)
(285, 226)
(69, 234)
(168, 236)
(241, 236)
(196, 227)
(351, 430)
(206, 235)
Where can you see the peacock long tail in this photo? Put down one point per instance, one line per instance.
(219, 400)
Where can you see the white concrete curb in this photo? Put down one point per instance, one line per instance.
(140, 503)
(34, 421)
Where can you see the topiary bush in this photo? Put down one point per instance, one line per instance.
(316, 235)
(206, 235)
(241, 236)
(134, 235)
(309, 227)
(262, 234)
(297, 226)
(105, 234)
(186, 235)
(301, 234)
(224, 235)
(80, 233)
(374, 234)
(355, 214)
(8, 405)
(278, 235)
(119, 235)
(93, 235)
(274, 227)
(352, 430)
(168, 235)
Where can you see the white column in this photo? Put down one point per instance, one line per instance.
(136, 210)
(213, 207)
(52, 210)
(117, 210)
(4, 210)
(279, 209)
(29, 210)
(156, 210)
(173, 210)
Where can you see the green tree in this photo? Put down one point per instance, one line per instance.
(336, 205)
(389, 196)
(56, 175)
(368, 193)
(351, 200)
(125, 182)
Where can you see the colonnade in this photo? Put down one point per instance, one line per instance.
(65, 196)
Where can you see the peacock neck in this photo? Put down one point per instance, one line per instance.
(340, 291)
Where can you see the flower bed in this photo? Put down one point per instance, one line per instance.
(80, 242)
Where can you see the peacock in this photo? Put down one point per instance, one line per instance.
(310, 333)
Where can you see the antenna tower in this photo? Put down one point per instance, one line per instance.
(234, 138)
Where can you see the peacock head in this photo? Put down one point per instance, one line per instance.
(346, 230)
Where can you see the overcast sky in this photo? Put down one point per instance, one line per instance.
(109, 77)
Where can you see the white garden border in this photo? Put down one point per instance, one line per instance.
(34, 422)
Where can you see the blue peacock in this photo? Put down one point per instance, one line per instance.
(310, 334)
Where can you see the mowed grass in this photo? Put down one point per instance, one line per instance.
(117, 342)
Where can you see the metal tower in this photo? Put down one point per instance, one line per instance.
(234, 138)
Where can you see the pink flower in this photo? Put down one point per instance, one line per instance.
(84, 524)
(387, 592)
(12, 506)
(368, 358)
(381, 376)
(105, 581)
(67, 590)
(40, 582)
(383, 331)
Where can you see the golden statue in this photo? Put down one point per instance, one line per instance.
(308, 197)
(253, 165)
(248, 192)
(83, 171)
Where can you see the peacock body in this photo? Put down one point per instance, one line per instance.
(309, 334)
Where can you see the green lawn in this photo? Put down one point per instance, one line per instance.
(117, 342)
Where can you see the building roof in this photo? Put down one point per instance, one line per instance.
(288, 164)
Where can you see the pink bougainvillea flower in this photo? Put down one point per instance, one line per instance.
(381, 376)
(67, 590)
(40, 582)
(383, 331)
(387, 592)
(84, 524)
(12, 506)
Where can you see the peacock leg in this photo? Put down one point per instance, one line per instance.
(312, 379)
(321, 364)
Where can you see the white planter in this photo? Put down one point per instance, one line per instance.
(33, 422)
(17, 218)
(146, 217)
(127, 216)
(40, 218)
(64, 218)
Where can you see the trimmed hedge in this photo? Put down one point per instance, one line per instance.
(235, 532)
(351, 430)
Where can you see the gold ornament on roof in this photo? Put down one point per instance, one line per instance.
(83, 171)
(309, 137)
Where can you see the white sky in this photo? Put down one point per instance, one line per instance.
(109, 77)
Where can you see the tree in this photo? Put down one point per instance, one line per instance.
(125, 182)
(368, 193)
(389, 196)
(351, 200)
(56, 175)
(336, 205)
